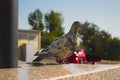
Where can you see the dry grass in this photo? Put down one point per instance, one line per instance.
(109, 62)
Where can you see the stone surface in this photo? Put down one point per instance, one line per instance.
(45, 71)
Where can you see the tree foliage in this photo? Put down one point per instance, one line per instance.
(53, 25)
(35, 20)
(114, 49)
(100, 42)
(53, 21)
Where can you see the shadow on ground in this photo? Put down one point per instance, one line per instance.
(41, 64)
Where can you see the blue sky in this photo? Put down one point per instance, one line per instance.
(104, 13)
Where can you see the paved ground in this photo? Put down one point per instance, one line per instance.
(38, 71)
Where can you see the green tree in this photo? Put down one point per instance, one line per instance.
(89, 32)
(35, 20)
(114, 49)
(100, 42)
(53, 22)
(53, 25)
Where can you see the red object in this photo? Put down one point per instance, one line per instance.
(78, 57)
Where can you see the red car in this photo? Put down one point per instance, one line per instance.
(78, 57)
